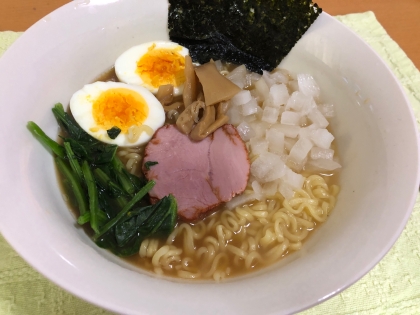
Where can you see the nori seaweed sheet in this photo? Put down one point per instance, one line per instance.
(257, 33)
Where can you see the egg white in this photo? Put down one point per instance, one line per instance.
(82, 101)
(126, 64)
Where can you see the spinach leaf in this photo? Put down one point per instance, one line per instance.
(129, 227)
(94, 152)
(69, 125)
(150, 221)
(107, 205)
(84, 146)
(149, 163)
(113, 132)
(137, 197)
(107, 184)
(164, 207)
(131, 248)
(168, 224)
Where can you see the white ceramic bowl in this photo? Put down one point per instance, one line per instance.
(376, 136)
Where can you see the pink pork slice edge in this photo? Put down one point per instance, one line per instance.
(200, 175)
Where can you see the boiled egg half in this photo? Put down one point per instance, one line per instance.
(153, 64)
(101, 106)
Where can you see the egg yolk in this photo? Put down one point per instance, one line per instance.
(120, 108)
(161, 66)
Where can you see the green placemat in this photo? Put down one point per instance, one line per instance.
(392, 287)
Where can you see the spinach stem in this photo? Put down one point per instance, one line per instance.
(108, 184)
(75, 185)
(93, 196)
(74, 163)
(83, 218)
(45, 140)
(122, 177)
(137, 197)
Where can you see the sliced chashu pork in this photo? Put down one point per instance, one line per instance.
(200, 175)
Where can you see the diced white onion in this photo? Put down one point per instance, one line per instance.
(240, 200)
(257, 189)
(300, 150)
(317, 118)
(235, 115)
(308, 85)
(268, 167)
(279, 76)
(219, 65)
(258, 145)
(278, 95)
(262, 88)
(322, 138)
(254, 77)
(267, 103)
(286, 190)
(293, 179)
(238, 76)
(270, 114)
(293, 85)
(290, 118)
(288, 130)
(248, 80)
(270, 188)
(245, 131)
(289, 76)
(324, 164)
(259, 113)
(306, 132)
(256, 95)
(319, 153)
(251, 118)
(309, 106)
(259, 127)
(303, 121)
(268, 79)
(275, 140)
(289, 143)
(250, 108)
(241, 98)
(299, 101)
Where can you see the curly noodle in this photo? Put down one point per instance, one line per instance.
(247, 237)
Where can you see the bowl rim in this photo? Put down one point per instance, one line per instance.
(44, 270)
